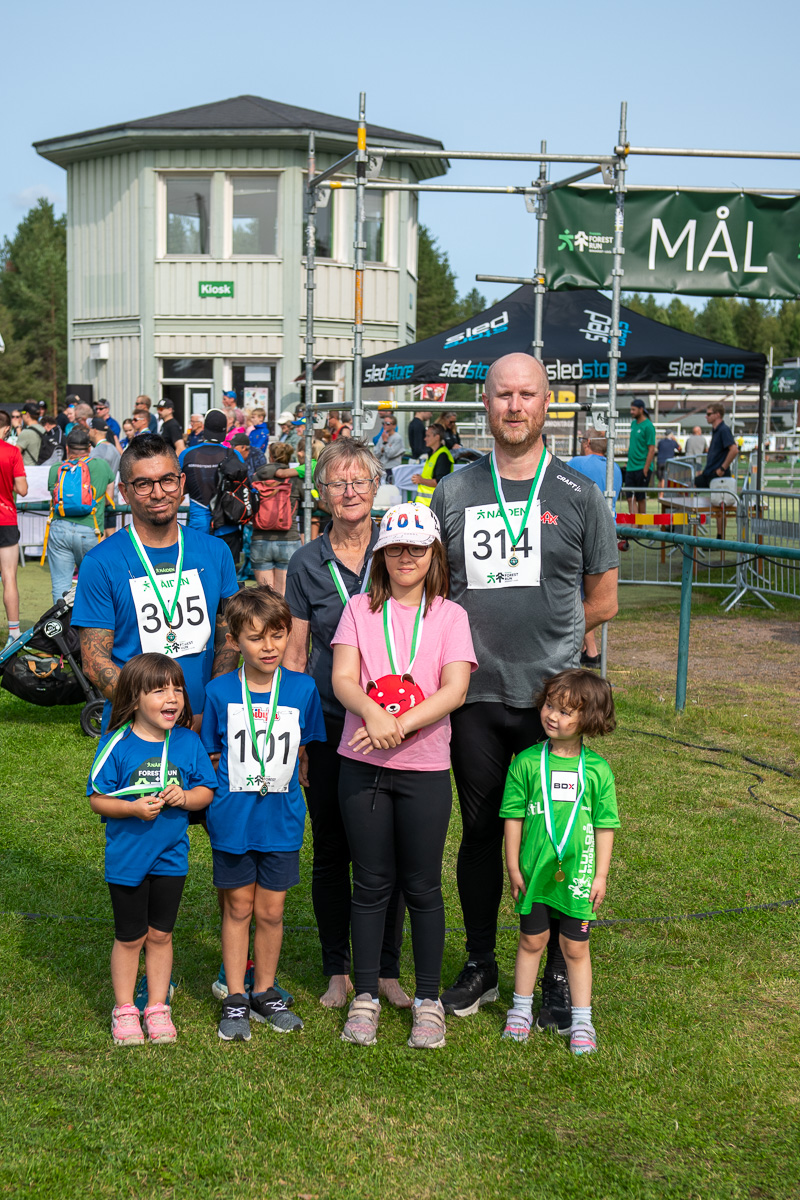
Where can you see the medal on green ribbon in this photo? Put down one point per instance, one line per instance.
(513, 561)
(272, 710)
(388, 634)
(544, 774)
(169, 612)
(336, 576)
(136, 789)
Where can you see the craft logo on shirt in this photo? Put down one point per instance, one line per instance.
(549, 518)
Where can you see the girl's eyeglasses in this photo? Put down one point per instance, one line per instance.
(414, 551)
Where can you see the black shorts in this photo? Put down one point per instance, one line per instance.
(538, 920)
(9, 535)
(153, 903)
(636, 479)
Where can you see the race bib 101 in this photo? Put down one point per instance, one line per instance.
(190, 622)
(491, 561)
(279, 755)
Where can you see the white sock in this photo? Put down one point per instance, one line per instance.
(13, 628)
(523, 1004)
(376, 1000)
(581, 1016)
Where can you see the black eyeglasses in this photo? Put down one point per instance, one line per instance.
(361, 487)
(169, 484)
(414, 551)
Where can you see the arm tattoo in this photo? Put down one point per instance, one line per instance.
(96, 646)
(225, 659)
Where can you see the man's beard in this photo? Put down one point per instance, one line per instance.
(519, 437)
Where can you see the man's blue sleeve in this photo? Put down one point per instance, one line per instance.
(94, 603)
(229, 585)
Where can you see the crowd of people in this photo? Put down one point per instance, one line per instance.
(363, 666)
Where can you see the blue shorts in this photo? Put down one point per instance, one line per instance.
(269, 554)
(275, 870)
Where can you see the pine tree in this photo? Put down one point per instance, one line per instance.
(33, 287)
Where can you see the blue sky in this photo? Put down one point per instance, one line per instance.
(486, 76)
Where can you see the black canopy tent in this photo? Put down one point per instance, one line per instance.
(576, 334)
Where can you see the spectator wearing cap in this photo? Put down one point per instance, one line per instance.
(146, 403)
(287, 427)
(199, 464)
(29, 439)
(170, 428)
(52, 447)
(103, 410)
(102, 448)
(69, 539)
(641, 452)
(228, 401)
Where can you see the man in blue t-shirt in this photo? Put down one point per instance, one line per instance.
(117, 608)
(721, 453)
(592, 462)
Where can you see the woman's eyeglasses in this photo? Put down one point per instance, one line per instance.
(361, 487)
(414, 551)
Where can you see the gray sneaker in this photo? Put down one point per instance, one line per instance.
(270, 1008)
(427, 1032)
(362, 1021)
(234, 1024)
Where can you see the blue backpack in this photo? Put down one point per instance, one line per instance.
(73, 496)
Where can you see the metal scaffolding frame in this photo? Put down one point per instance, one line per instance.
(368, 165)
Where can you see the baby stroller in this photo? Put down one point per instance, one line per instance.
(43, 666)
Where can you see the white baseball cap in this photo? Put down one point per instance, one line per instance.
(286, 418)
(408, 525)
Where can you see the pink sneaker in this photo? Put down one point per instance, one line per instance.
(158, 1023)
(126, 1029)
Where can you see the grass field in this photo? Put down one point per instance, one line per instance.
(695, 1092)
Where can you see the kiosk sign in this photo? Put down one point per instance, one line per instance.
(215, 291)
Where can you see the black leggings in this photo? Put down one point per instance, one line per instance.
(485, 737)
(153, 903)
(396, 823)
(330, 875)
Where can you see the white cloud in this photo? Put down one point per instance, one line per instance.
(28, 197)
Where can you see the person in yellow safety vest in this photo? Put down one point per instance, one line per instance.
(439, 463)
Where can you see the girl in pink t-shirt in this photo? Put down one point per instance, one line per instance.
(402, 660)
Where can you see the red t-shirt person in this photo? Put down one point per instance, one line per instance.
(11, 468)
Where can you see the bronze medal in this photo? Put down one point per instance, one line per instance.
(559, 875)
(172, 636)
(263, 790)
(513, 561)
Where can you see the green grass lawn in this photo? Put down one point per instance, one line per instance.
(695, 1091)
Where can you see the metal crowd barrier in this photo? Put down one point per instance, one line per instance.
(767, 518)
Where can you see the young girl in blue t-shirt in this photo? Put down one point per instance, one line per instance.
(150, 770)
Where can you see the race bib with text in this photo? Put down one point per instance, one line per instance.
(279, 754)
(190, 622)
(488, 552)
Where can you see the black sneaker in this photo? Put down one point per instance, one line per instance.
(555, 1015)
(270, 1008)
(475, 986)
(234, 1024)
(590, 660)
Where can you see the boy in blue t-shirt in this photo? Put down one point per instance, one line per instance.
(255, 721)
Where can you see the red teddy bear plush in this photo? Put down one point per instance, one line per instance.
(396, 693)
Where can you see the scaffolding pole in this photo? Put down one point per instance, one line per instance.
(539, 288)
(359, 247)
(311, 250)
(613, 350)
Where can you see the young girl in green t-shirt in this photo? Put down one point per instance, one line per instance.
(560, 809)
